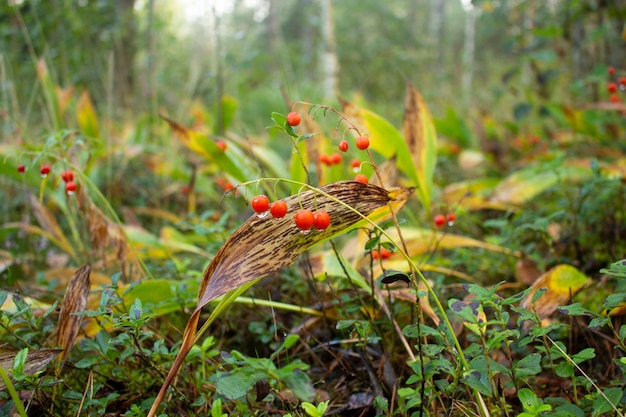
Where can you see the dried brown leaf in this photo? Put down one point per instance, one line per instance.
(75, 300)
(264, 245)
(48, 223)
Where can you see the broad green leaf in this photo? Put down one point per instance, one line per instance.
(527, 183)
(229, 107)
(560, 284)
(607, 402)
(206, 147)
(529, 365)
(617, 269)
(156, 247)
(86, 115)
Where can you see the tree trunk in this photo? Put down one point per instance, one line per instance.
(437, 29)
(125, 48)
(468, 52)
(330, 63)
(272, 35)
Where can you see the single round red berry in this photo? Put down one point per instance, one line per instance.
(439, 220)
(185, 189)
(335, 159)
(611, 70)
(614, 98)
(361, 178)
(304, 219)
(385, 253)
(612, 87)
(362, 142)
(260, 204)
(221, 144)
(278, 209)
(375, 254)
(451, 217)
(622, 81)
(343, 146)
(67, 175)
(293, 119)
(44, 170)
(355, 163)
(21, 169)
(321, 220)
(70, 187)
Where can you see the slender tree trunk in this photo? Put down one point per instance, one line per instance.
(437, 29)
(330, 63)
(125, 47)
(468, 52)
(150, 94)
(272, 35)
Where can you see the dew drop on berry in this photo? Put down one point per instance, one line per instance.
(305, 232)
(262, 215)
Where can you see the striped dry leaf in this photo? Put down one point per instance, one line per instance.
(264, 245)
(75, 300)
(36, 361)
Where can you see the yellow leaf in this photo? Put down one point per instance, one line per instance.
(86, 115)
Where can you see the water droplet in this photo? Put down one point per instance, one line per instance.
(451, 224)
(70, 193)
(305, 232)
(262, 215)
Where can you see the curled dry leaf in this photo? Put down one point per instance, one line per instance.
(561, 283)
(75, 300)
(36, 361)
(262, 246)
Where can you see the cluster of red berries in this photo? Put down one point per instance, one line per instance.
(440, 220)
(384, 253)
(615, 85)
(330, 160)
(67, 176)
(305, 219)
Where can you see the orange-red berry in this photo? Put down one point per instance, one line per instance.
(260, 204)
(361, 178)
(44, 170)
(21, 169)
(221, 144)
(622, 81)
(321, 220)
(611, 70)
(67, 175)
(304, 219)
(375, 254)
(278, 209)
(335, 159)
(614, 98)
(70, 187)
(343, 146)
(439, 220)
(293, 119)
(362, 142)
(451, 217)
(612, 87)
(385, 253)
(355, 163)
(325, 159)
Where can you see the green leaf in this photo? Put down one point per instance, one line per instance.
(528, 366)
(576, 309)
(601, 405)
(20, 361)
(617, 269)
(527, 398)
(238, 383)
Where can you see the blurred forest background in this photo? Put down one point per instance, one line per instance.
(474, 58)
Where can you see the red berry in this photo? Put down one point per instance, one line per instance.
(278, 209)
(362, 142)
(439, 220)
(321, 220)
(385, 253)
(611, 70)
(361, 178)
(293, 119)
(325, 159)
(451, 217)
(221, 144)
(45, 170)
(375, 254)
(622, 81)
(454, 148)
(612, 87)
(21, 169)
(70, 187)
(343, 146)
(614, 98)
(335, 159)
(67, 175)
(304, 220)
(185, 189)
(260, 204)
(355, 163)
